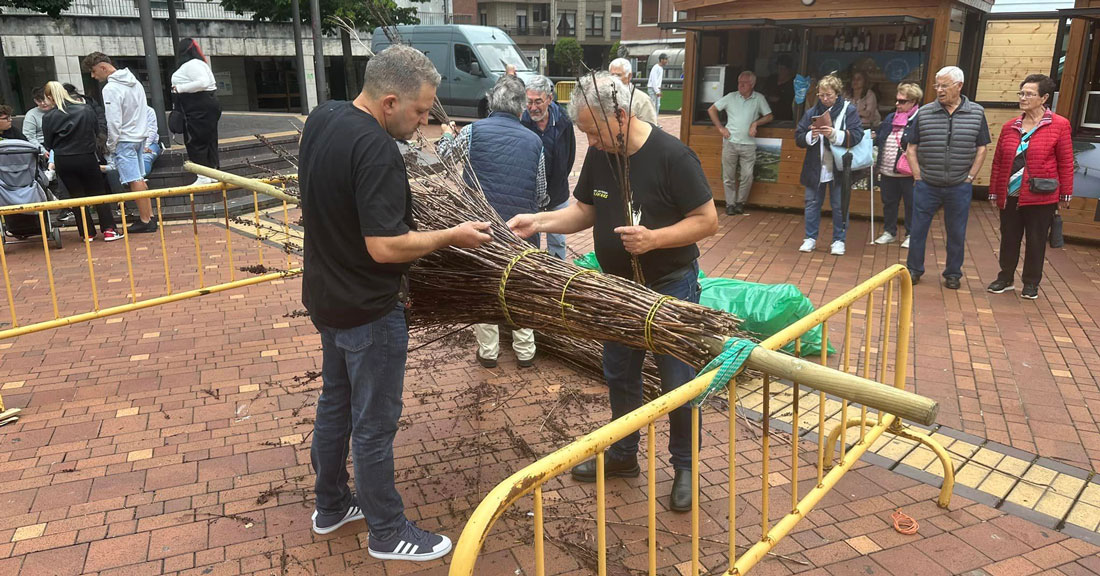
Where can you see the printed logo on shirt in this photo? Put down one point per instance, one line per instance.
(601, 194)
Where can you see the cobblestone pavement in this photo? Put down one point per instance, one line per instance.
(176, 439)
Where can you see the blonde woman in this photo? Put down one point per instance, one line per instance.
(817, 134)
(69, 131)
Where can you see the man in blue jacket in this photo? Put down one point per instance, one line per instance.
(559, 147)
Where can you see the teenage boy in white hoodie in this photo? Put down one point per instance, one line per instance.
(124, 102)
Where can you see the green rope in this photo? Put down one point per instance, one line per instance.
(734, 354)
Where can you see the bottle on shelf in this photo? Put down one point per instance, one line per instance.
(902, 42)
(914, 40)
(924, 39)
(847, 42)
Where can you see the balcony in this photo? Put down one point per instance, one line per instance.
(430, 18)
(185, 10)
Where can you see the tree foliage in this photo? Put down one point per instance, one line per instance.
(50, 7)
(356, 11)
(568, 55)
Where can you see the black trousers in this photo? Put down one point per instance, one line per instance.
(1018, 222)
(81, 175)
(201, 112)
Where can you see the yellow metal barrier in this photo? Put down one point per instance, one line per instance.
(531, 478)
(563, 91)
(169, 295)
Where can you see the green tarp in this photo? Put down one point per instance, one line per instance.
(764, 308)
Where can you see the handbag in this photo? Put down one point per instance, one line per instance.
(862, 155)
(177, 124)
(901, 165)
(1056, 239)
(1039, 185)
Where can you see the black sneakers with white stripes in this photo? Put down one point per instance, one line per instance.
(325, 523)
(411, 543)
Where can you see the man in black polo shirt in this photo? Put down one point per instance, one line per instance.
(672, 210)
(360, 239)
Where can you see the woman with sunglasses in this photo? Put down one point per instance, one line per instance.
(1032, 172)
(896, 184)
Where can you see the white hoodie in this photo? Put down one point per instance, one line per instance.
(124, 103)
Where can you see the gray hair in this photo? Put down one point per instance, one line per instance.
(602, 92)
(541, 84)
(399, 70)
(622, 64)
(953, 72)
(508, 95)
(748, 74)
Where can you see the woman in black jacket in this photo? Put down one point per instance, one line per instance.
(819, 168)
(194, 85)
(69, 131)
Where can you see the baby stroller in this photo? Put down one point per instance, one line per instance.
(22, 181)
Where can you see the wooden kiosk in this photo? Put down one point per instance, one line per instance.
(890, 42)
(1078, 51)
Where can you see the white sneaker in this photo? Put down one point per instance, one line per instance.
(203, 180)
(837, 248)
(886, 238)
(807, 245)
(905, 243)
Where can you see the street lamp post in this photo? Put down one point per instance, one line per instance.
(318, 49)
(299, 55)
(152, 64)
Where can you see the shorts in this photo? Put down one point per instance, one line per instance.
(129, 163)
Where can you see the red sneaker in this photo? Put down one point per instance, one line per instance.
(111, 236)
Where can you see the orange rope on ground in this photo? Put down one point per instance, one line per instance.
(904, 523)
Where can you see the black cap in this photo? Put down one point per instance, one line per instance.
(662, 56)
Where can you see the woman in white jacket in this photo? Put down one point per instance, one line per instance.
(194, 85)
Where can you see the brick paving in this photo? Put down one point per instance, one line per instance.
(175, 439)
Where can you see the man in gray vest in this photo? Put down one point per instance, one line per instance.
(506, 159)
(947, 144)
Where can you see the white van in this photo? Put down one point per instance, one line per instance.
(469, 59)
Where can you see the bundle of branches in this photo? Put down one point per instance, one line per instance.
(507, 282)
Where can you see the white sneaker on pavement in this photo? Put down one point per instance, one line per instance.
(905, 243)
(807, 245)
(886, 238)
(837, 248)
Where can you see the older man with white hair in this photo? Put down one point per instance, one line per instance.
(671, 210)
(546, 119)
(746, 110)
(946, 147)
(640, 104)
(507, 161)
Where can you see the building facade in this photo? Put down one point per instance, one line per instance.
(253, 62)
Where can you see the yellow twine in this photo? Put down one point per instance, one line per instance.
(649, 321)
(504, 281)
(562, 301)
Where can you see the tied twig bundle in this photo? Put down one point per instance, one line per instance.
(508, 282)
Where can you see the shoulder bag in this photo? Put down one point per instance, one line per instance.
(862, 154)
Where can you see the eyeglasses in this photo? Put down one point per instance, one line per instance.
(1027, 95)
(536, 102)
(5, 118)
(944, 86)
(826, 94)
(902, 101)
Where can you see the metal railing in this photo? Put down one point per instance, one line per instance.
(185, 10)
(42, 209)
(170, 294)
(808, 412)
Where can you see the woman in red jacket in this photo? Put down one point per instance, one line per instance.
(1032, 172)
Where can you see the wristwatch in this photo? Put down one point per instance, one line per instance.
(969, 177)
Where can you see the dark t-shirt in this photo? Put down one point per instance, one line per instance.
(666, 183)
(353, 185)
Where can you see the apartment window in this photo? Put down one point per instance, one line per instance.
(540, 19)
(567, 23)
(595, 24)
(483, 19)
(521, 20)
(648, 12)
(616, 20)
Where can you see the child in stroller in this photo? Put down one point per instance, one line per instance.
(22, 181)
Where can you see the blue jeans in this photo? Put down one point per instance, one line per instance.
(363, 372)
(927, 200)
(555, 243)
(149, 158)
(894, 191)
(814, 200)
(656, 99)
(622, 368)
